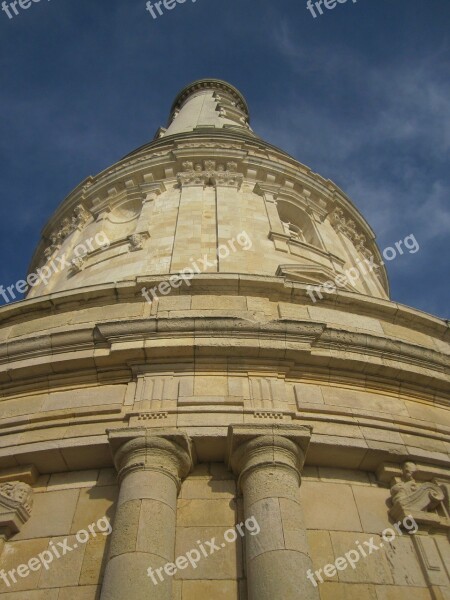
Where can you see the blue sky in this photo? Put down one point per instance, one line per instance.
(360, 95)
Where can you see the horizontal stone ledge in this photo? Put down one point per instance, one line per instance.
(210, 445)
(238, 284)
(323, 342)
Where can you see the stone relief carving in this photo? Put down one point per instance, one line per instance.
(210, 174)
(427, 502)
(79, 219)
(18, 492)
(348, 228)
(137, 241)
(77, 264)
(16, 502)
(210, 145)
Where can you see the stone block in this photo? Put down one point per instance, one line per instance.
(395, 592)
(210, 385)
(402, 559)
(206, 513)
(93, 504)
(208, 489)
(225, 563)
(174, 302)
(306, 393)
(321, 550)
(220, 472)
(86, 592)
(364, 400)
(219, 303)
(64, 571)
(94, 560)
(126, 526)
(19, 553)
(74, 479)
(354, 477)
(373, 568)
(373, 508)
(218, 590)
(128, 574)
(347, 591)
(156, 529)
(337, 451)
(107, 477)
(53, 514)
(340, 514)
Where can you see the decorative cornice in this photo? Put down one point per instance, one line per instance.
(210, 174)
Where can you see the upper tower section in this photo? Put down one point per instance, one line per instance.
(206, 104)
(190, 195)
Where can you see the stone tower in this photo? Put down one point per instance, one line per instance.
(192, 409)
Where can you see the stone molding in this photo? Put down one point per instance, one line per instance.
(241, 284)
(16, 502)
(259, 446)
(140, 449)
(213, 85)
(320, 337)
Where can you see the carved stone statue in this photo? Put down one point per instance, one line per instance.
(412, 498)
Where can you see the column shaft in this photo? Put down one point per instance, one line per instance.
(143, 536)
(277, 559)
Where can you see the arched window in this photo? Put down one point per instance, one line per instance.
(297, 223)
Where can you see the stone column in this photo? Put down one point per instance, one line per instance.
(268, 461)
(151, 464)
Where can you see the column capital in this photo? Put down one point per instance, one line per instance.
(157, 449)
(257, 446)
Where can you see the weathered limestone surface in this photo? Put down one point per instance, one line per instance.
(94, 379)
